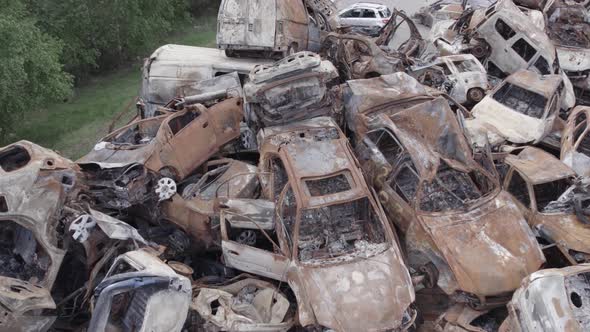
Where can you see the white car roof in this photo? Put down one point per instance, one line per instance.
(368, 5)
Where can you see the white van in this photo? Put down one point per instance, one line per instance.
(172, 68)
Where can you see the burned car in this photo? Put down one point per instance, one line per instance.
(575, 143)
(462, 76)
(154, 142)
(551, 300)
(358, 56)
(319, 228)
(504, 38)
(194, 207)
(141, 293)
(440, 10)
(450, 210)
(38, 197)
(568, 26)
(248, 305)
(298, 87)
(522, 110)
(546, 192)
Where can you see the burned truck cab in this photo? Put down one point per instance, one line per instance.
(319, 228)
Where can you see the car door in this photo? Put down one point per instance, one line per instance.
(192, 140)
(262, 17)
(252, 258)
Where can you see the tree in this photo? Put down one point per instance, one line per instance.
(30, 70)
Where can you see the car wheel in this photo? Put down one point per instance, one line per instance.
(475, 95)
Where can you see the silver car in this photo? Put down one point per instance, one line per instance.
(364, 17)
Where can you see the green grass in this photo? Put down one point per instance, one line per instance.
(73, 127)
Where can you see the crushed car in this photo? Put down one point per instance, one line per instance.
(358, 56)
(194, 208)
(38, 197)
(153, 142)
(568, 26)
(245, 304)
(462, 77)
(442, 200)
(298, 87)
(319, 228)
(141, 293)
(551, 200)
(551, 300)
(520, 110)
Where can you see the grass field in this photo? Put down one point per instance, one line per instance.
(73, 127)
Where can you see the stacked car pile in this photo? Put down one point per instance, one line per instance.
(434, 185)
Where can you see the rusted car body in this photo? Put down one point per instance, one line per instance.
(568, 26)
(542, 186)
(451, 211)
(175, 143)
(503, 36)
(194, 208)
(325, 234)
(551, 300)
(141, 293)
(35, 183)
(255, 27)
(575, 143)
(522, 109)
(462, 76)
(358, 56)
(439, 11)
(298, 87)
(248, 305)
(176, 70)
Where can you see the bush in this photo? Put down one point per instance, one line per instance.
(30, 70)
(102, 34)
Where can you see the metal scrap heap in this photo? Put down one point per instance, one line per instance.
(337, 182)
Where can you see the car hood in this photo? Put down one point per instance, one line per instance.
(573, 58)
(499, 123)
(490, 248)
(363, 295)
(108, 156)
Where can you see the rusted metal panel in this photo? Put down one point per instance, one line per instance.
(551, 300)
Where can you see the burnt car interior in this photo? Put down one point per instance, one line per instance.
(338, 230)
(21, 256)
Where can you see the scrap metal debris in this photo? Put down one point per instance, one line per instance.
(440, 184)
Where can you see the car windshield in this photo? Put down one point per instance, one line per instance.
(466, 66)
(521, 100)
(344, 230)
(453, 190)
(140, 133)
